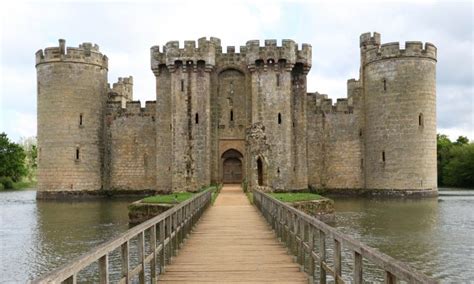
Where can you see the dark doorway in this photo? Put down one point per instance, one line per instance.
(232, 166)
(260, 171)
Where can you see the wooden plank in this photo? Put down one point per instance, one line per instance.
(358, 268)
(322, 256)
(233, 243)
(104, 269)
(153, 254)
(125, 261)
(337, 258)
(141, 257)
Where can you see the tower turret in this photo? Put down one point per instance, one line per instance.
(183, 82)
(278, 88)
(400, 103)
(72, 92)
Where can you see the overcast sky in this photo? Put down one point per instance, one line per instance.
(125, 31)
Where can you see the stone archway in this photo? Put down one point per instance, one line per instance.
(232, 166)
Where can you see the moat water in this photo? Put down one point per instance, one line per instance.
(436, 236)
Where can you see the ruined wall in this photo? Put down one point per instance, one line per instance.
(72, 91)
(400, 101)
(131, 153)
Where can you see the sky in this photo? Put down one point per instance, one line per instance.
(126, 30)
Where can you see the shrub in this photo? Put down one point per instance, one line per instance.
(6, 182)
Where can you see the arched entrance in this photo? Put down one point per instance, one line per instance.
(232, 166)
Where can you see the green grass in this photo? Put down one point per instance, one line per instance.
(169, 198)
(294, 197)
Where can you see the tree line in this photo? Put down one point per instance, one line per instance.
(18, 162)
(455, 162)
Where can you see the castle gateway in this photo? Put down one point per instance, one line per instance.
(223, 116)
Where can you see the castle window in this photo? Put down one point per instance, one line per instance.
(80, 119)
(182, 85)
(77, 154)
(383, 156)
(279, 118)
(384, 85)
(196, 118)
(231, 115)
(421, 122)
(278, 80)
(361, 163)
(360, 132)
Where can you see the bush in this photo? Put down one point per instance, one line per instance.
(2, 187)
(6, 182)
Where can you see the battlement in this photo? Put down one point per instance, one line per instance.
(86, 53)
(369, 39)
(172, 52)
(208, 50)
(325, 105)
(271, 52)
(393, 50)
(132, 108)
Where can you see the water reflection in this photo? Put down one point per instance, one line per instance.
(434, 236)
(37, 236)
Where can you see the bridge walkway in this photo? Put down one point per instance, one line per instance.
(232, 243)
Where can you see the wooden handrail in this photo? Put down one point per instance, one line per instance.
(305, 237)
(172, 226)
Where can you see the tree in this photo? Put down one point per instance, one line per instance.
(459, 171)
(29, 146)
(12, 159)
(444, 146)
(462, 140)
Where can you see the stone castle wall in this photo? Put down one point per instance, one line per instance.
(130, 158)
(253, 105)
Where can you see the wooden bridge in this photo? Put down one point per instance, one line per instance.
(233, 243)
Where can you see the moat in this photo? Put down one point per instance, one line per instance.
(433, 235)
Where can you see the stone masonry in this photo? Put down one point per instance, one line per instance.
(237, 116)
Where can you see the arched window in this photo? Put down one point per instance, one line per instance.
(196, 118)
(384, 84)
(231, 115)
(279, 118)
(421, 121)
(383, 156)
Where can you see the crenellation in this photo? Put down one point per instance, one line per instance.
(392, 50)
(85, 53)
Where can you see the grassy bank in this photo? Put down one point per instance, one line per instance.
(295, 197)
(8, 184)
(168, 198)
(178, 197)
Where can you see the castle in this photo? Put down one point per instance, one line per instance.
(237, 116)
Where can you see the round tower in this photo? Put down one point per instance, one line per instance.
(400, 114)
(72, 92)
